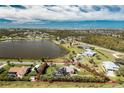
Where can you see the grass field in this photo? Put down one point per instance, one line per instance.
(23, 84)
(66, 57)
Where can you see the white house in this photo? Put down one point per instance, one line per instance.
(70, 69)
(89, 53)
(110, 67)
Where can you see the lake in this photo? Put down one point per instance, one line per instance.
(30, 49)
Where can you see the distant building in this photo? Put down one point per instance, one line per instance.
(62, 41)
(84, 46)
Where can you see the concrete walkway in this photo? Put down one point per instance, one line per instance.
(29, 63)
(116, 55)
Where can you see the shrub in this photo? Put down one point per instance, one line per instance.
(6, 78)
(73, 79)
(2, 70)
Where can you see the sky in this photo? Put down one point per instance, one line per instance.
(65, 16)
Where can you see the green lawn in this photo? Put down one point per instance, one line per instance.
(50, 70)
(23, 84)
(106, 55)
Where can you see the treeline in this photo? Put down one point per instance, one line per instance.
(107, 32)
(89, 79)
(11, 32)
(65, 33)
(105, 41)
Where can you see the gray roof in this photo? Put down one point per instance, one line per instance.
(110, 65)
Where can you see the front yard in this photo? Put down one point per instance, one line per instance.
(25, 84)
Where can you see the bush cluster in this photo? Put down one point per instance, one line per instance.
(6, 78)
(2, 70)
(73, 79)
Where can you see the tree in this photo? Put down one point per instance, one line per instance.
(8, 62)
(73, 52)
(19, 60)
(120, 72)
(120, 61)
(43, 59)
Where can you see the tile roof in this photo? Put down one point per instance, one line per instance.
(19, 70)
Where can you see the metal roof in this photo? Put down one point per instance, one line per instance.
(110, 65)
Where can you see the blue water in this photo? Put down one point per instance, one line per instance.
(68, 24)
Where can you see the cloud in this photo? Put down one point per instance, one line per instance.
(26, 14)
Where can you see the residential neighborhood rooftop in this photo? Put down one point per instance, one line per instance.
(110, 65)
(19, 71)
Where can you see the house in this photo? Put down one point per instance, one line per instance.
(70, 69)
(110, 67)
(84, 46)
(60, 72)
(17, 72)
(89, 53)
(75, 59)
(62, 41)
(66, 70)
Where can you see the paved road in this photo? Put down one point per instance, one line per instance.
(116, 55)
(28, 63)
(3, 65)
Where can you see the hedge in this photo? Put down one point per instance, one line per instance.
(6, 78)
(73, 79)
